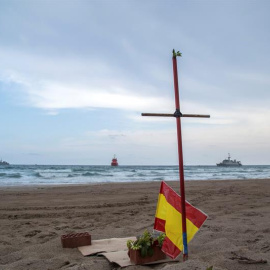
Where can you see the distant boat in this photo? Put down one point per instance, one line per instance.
(229, 163)
(2, 162)
(114, 161)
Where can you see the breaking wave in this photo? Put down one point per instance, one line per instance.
(90, 174)
(14, 175)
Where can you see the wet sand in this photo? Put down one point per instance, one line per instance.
(32, 220)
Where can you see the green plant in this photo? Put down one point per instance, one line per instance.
(145, 243)
(176, 53)
(161, 238)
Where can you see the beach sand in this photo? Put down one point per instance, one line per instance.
(32, 220)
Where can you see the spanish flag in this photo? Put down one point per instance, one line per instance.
(168, 219)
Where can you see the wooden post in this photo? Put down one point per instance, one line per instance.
(180, 159)
(178, 115)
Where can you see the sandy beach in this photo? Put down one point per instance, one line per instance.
(32, 220)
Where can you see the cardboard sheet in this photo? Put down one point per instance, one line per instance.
(119, 257)
(106, 245)
(114, 250)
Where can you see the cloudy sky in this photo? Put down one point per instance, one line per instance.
(75, 77)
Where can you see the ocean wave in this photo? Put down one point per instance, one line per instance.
(14, 175)
(158, 179)
(54, 170)
(86, 169)
(157, 172)
(90, 174)
(43, 174)
(79, 169)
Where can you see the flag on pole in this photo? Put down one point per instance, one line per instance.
(168, 219)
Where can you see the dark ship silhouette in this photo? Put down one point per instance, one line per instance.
(229, 163)
(2, 162)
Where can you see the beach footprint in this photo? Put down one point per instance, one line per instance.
(32, 233)
(45, 237)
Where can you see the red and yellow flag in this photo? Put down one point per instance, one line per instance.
(168, 219)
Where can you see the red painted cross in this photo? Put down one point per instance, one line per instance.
(177, 114)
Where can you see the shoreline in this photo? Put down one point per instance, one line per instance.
(30, 186)
(34, 218)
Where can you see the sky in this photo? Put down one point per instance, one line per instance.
(75, 77)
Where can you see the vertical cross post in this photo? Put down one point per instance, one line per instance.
(180, 158)
(177, 114)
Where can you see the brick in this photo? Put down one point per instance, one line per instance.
(74, 240)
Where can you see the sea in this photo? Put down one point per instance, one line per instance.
(29, 175)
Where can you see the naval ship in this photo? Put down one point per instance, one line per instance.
(229, 162)
(2, 162)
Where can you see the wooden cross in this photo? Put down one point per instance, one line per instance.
(177, 114)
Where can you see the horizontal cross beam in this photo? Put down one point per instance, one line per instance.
(172, 115)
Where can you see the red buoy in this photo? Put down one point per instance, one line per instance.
(114, 161)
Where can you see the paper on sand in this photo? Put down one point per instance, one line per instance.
(113, 249)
